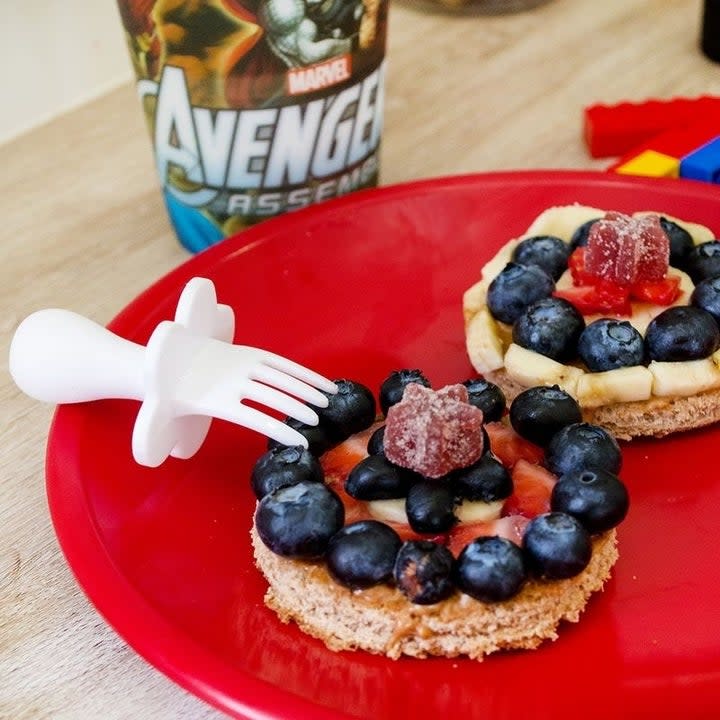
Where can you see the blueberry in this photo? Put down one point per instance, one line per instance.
(546, 251)
(681, 242)
(376, 478)
(582, 446)
(598, 499)
(429, 507)
(393, 387)
(682, 333)
(556, 546)
(581, 235)
(376, 443)
(703, 261)
(350, 410)
(539, 412)
(487, 396)
(706, 295)
(486, 480)
(298, 521)
(363, 554)
(607, 344)
(317, 436)
(515, 288)
(423, 572)
(490, 569)
(283, 466)
(551, 327)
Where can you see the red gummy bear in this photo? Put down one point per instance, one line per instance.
(624, 249)
(433, 432)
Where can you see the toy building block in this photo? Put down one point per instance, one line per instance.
(703, 163)
(612, 130)
(650, 164)
(675, 144)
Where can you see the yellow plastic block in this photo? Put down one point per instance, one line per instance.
(651, 164)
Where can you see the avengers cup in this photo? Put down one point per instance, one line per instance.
(257, 107)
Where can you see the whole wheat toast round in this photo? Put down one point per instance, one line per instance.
(656, 400)
(381, 620)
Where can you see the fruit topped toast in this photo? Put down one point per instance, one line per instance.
(448, 527)
(619, 311)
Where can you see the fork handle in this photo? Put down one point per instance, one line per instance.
(59, 356)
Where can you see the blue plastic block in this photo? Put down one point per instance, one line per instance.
(703, 163)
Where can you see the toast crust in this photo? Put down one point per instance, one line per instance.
(656, 417)
(381, 620)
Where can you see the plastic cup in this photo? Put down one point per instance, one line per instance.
(257, 107)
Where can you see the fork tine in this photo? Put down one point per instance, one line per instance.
(280, 401)
(282, 381)
(300, 372)
(255, 420)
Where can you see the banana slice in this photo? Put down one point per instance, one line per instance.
(471, 511)
(474, 300)
(620, 385)
(501, 259)
(562, 221)
(388, 510)
(468, 511)
(484, 346)
(530, 368)
(682, 379)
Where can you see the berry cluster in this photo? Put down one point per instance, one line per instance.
(300, 516)
(551, 323)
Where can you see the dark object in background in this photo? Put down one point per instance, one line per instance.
(710, 32)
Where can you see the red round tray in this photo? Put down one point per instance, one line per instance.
(355, 288)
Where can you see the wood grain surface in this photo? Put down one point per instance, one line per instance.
(83, 227)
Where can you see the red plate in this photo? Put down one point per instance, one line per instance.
(356, 288)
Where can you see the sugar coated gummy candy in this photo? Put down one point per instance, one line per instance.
(624, 249)
(434, 432)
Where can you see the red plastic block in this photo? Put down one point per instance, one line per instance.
(612, 130)
(676, 143)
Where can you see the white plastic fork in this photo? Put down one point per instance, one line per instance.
(188, 373)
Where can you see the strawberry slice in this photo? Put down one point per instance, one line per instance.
(511, 528)
(662, 292)
(341, 459)
(509, 447)
(576, 265)
(338, 462)
(603, 297)
(532, 486)
(462, 535)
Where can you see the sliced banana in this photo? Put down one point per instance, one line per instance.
(468, 511)
(530, 368)
(388, 510)
(626, 384)
(501, 259)
(471, 511)
(563, 220)
(474, 300)
(484, 346)
(681, 379)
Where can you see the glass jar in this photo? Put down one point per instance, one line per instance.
(473, 7)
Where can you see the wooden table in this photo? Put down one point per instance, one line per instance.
(84, 228)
